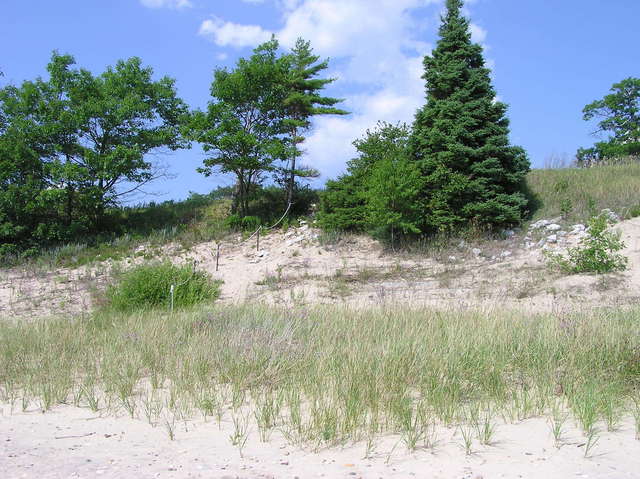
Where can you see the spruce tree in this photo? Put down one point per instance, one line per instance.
(460, 138)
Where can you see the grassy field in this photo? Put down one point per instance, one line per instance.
(579, 193)
(332, 376)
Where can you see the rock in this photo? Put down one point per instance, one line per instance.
(476, 251)
(578, 228)
(262, 254)
(611, 215)
(295, 240)
(529, 245)
(505, 254)
(508, 234)
(452, 259)
(539, 224)
(561, 234)
(552, 239)
(462, 244)
(541, 243)
(553, 227)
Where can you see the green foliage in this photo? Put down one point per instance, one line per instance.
(618, 115)
(460, 139)
(239, 130)
(379, 192)
(303, 101)
(596, 253)
(255, 121)
(149, 286)
(73, 145)
(634, 211)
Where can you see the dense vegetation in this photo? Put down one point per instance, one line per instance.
(454, 169)
(75, 145)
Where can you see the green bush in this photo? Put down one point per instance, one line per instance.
(634, 211)
(149, 285)
(596, 253)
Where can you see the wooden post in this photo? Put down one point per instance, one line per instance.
(258, 239)
(217, 256)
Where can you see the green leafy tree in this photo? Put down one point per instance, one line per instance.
(618, 115)
(460, 139)
(75, 144)
(302, 103)
(240, 129)
(379, 192)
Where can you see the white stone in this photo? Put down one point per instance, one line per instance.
(553, 227)
(476, 251)
(505, 254)
(509, 233)
(539, 224)
(552, 239)
(452, 258)
(611, 215)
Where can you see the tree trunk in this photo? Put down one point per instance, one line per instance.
(292, 173)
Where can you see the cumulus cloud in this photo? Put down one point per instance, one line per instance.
(177, 4)
(376, 51)
(233, 34)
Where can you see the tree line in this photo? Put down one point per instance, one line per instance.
(73, 145)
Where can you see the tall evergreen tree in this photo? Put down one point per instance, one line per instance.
(460, 137)
(303, 102)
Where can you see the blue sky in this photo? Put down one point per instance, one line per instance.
(549, 58)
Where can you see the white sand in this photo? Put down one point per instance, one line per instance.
(69, 442)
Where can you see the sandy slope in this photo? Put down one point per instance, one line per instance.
(73, 443)
(295, 267)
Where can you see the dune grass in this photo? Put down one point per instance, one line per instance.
(330, 376)
(580, 193)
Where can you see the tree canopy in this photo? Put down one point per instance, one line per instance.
(618, 116)
(74, 144)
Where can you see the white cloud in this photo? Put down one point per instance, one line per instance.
(376, 50)
(478, 34)
(233, 34)
(167, 3)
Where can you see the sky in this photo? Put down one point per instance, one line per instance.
(549, 59)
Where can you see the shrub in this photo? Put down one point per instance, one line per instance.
(149, 286)
(250, 223)
(596, 253)
(634, 211)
